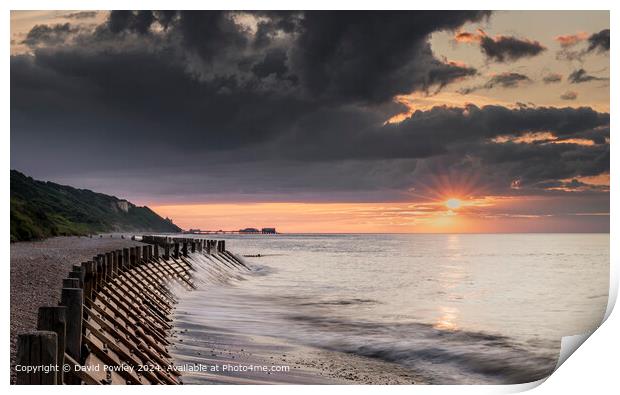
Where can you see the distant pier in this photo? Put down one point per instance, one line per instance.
(264, 231)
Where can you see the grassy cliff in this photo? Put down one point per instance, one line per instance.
(42, 209)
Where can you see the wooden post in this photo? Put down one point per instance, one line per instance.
(83, 278)
(82, 275)
(54, 319)
(114, 266)
(138, 252)
(93, 282)
(72, 299)
(184, 248)
(70, 283)
(102, 270)
(126, 259)
(119, 262)
(87, 269)
(167, 251)
(109, 264)
(193, 246)
(208, 245)
(145, 253)
(156, 252)
(96, 273)
(74, 274)
(132, 257)
(176, 250)
(93, 277)
(37, 349)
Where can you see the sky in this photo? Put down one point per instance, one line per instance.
(404, 121)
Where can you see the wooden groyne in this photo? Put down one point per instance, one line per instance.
(113, 322)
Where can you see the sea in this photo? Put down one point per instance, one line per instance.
(455, 308)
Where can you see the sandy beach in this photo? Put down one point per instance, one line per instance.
(37, 270)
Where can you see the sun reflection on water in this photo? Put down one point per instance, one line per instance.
(448, 319)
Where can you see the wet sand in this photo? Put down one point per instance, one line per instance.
(37, 270)
(229, 358)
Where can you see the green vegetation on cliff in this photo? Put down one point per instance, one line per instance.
(42, 209)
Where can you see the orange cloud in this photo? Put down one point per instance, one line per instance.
(539, 138)
(601, 179)
(568, 40)
(526, 138)
(469, 38)
(466, 37)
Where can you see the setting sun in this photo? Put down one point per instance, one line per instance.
(453, 203)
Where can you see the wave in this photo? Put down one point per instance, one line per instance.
(442, 356)
(446, 356)
(340, 302)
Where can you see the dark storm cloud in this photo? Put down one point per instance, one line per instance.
(372, 56)
(504, 80)
(508, 48)
(599, 41)
(579, 76)
(450, 124)
(298, 106)
(536, 163)
(501, 48)
(598, 135)
(274, 62)
(335, 56)
(507, 80)
(273, 23)
(211, 33)
(148, 73)
(596, 43)
(49, 34)
(134, 21)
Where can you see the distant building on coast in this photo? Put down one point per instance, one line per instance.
(265, 231)
(249, 230)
